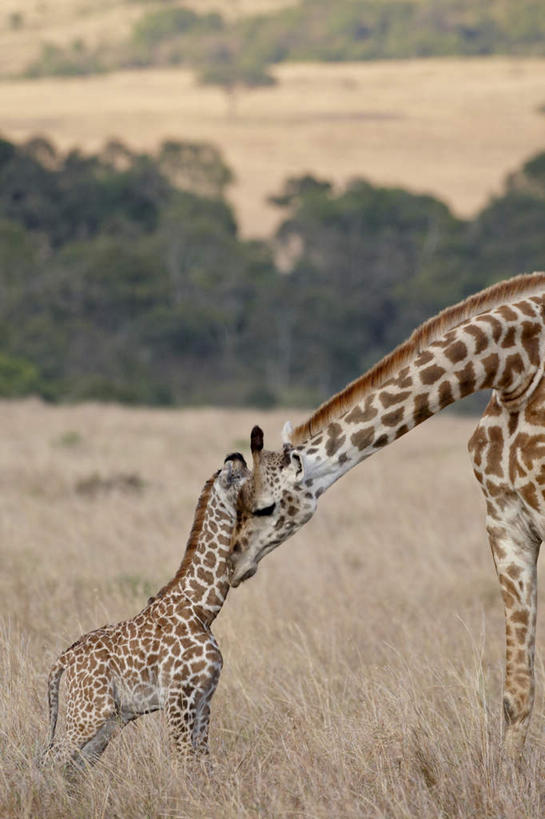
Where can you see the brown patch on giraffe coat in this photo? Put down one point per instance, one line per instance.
(531, 332)
(491, 364)
(388, 399)
(421, 408)
(356, 416)
(494, 490)
(512, 423)
(509, 338)
(495, 451)
(508, 599)
(363, 438)
(534, 412)
(404, 379)
(359, 414)
(448, 338)
(529, 494)
(456, 352)
(493, 407)
(514, 366)
(466, 377)
(424, 358)
(446, 396)
(481, 339)
(508, 585)
(526, 308)
(495, 325)
(513, 571)
(381, 441)
(432, 374)
(499, 551)
(508, 313)
(477, 443)
(335, 440)
(526, 451)
(520, 616)
(392, 419)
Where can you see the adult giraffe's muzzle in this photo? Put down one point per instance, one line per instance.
(241, 573)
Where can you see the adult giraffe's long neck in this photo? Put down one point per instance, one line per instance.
(502, 348)
(203, 576)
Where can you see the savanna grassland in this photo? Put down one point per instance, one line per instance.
(26, 24)
(363, 663)
(450, 127)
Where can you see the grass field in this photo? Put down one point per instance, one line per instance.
(363, 663)
(449, 127)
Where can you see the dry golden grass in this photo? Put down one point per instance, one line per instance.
(449, 127)
(363, 663)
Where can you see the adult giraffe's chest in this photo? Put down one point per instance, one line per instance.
(526, 457)
(508, 452)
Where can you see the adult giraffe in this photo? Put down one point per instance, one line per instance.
(495, 339)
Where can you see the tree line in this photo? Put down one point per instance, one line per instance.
(123, 276)
(241, 52)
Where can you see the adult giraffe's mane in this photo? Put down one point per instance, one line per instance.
(501, 293)
(193, 539)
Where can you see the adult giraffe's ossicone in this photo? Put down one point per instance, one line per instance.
(493, 340)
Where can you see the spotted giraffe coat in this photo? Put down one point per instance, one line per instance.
(165, 658)
(493, 340)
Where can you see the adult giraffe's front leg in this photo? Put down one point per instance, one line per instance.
(515, 549)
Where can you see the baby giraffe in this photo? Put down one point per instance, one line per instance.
(164, 658)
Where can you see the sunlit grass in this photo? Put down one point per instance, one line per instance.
(363, 663)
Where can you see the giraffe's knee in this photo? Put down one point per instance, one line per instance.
(518, 699)
(514, 711)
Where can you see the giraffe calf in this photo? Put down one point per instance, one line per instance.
(165, 658)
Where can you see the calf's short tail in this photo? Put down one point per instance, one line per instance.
(53, 684)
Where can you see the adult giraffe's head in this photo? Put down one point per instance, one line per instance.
(273, 504)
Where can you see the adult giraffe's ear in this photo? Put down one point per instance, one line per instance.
(298, 465)
(287, 432)
(295, 462)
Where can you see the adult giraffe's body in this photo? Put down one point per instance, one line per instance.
(494, 340)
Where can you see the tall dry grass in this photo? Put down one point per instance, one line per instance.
(363, 663)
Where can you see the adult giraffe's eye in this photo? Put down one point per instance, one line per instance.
(267, 510)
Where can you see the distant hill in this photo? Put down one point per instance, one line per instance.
(26, 25)
(76, 38)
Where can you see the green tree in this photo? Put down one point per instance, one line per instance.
(231, 68)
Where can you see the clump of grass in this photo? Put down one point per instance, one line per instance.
(95, 484)
(69, 439)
